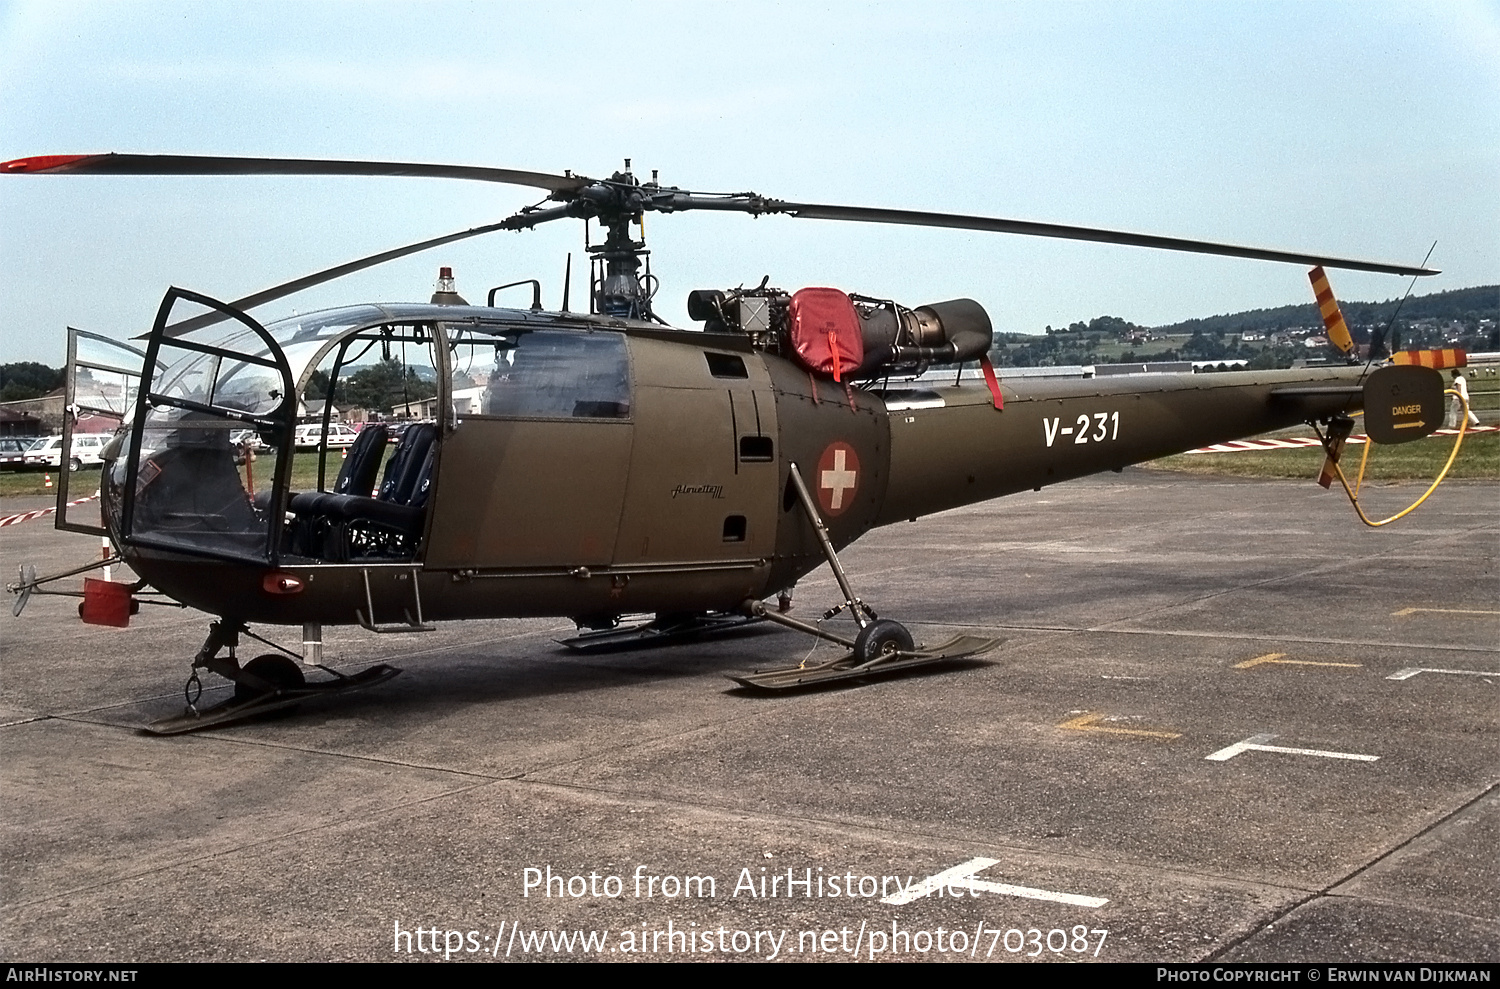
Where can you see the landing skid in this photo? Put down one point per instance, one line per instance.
(237, 709)
(659, 632)
(849, 668)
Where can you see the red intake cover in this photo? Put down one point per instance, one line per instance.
(826, 333)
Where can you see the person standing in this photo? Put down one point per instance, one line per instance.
(1461, 402)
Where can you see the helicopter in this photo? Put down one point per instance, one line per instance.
(601, 463)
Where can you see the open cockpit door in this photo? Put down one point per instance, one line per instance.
(101, 388)
(210, 444)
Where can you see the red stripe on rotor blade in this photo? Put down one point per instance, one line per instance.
(41, 163)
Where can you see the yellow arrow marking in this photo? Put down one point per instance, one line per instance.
(1085, 722)
(1442, 611)
(1408, 425)
(1276, 657)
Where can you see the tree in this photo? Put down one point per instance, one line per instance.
(28, 379)
(382, 385)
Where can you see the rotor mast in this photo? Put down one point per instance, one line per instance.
(622, 290)
(616, 202)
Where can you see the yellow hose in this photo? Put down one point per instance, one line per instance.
(1463, 423)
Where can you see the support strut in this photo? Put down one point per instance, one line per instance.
(882, 646)
(862, 615)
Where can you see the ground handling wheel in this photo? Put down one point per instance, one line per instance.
(275, 669)
(881, 640)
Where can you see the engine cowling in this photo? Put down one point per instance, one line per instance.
(943, 332)
(839, 335)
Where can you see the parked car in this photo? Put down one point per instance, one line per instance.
(396, 428)
(308, 437)
(240, 437)
(13, 451)
(48, 451)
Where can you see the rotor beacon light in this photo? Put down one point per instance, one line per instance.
(446, 291)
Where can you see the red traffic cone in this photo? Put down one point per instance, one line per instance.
(46, 480)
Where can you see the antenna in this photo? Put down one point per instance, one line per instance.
(567, 281)
(1378, 348)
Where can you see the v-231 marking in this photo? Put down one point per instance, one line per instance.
(1088, 428)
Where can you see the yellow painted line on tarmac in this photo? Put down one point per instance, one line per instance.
(1085, 722)
(1276, 657)
(1441, 611)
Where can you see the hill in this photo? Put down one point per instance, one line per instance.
(1266, 338)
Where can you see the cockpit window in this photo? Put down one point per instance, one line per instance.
(555, 374)
(304, 339)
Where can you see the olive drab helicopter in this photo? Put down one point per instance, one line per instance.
(600, 464)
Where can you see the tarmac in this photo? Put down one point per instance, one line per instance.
(1202, 740)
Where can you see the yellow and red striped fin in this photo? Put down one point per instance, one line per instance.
(1328, 308)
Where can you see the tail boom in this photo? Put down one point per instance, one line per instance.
(964, 451)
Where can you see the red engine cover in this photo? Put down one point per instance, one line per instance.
(825, 332)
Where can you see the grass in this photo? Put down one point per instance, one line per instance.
(1478, 459)
(13, 483)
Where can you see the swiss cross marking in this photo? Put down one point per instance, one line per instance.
(838, 477)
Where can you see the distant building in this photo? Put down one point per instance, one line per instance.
(47, 411)
(312, 409)
(19, 423)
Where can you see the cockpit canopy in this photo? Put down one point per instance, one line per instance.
(183, 484)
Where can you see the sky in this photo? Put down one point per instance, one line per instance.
(1367, 130)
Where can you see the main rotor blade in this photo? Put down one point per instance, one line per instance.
(117, 164)
(816, 211)
(327, 274)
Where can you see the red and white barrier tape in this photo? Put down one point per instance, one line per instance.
(28, 516)
(1238, 446)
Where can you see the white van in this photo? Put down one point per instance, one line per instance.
(309, 436)
(48, 451)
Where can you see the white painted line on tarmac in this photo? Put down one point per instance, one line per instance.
(1412, 671)
(1006, 889)
(1441, 611)
(961, 877)
(1256, 743)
